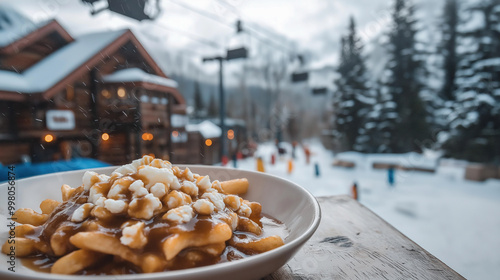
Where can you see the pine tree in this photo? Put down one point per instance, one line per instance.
(379, 123)
(199, 107)
(475, 118)
(403, 81)
(213, 109)
(449, 48)
(352, 89)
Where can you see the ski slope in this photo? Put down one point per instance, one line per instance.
(456, 220)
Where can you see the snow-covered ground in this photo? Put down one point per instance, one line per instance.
(456, 220)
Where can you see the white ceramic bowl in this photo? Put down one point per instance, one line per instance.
(280, 198)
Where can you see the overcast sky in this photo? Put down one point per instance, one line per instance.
(311, 27)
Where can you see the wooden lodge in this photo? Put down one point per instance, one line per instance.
(100, 95)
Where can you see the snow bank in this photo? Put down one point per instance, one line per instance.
(454, 219)
(207, 129)
(408, 160)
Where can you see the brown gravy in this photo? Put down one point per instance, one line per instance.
(59, 227)
(112, 266)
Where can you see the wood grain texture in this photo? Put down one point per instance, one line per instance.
(354, 243)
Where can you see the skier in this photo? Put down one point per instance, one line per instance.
(390, 176)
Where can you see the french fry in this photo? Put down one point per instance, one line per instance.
(259, 246)
(256, 210)
(67, 192)
(179, 241)
(59, 241)
(245, 224)
(23, 247)
(213, 249)
(22, 230)
(152, 263)
(103, 243)
(76, 261)
(29, 216)
(236, 186)
(231, 219)
(48, 205)
(197, 254)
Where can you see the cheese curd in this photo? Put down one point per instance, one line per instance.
(89, 179)
(203, 206)
(133, 236)
(245, 210)
(216, 198)
(82, 212)
(189, 188)
(204, 183)
(144, 207)
(182, 214)
(137, 188)
(159, 190)
(156, 175)
(115, 206)
(176, 198)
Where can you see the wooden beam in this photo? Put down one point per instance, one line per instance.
(35, 36)
(352, 242)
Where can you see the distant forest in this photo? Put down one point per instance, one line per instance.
(401, 111)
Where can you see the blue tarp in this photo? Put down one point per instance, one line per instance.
(33, 169)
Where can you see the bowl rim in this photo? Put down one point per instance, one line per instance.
(234, 265)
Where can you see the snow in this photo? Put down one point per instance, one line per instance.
(348, 103)
(474, 21)
(14, 25)
(454, 219)
(138, 75)
(486, 98)
(46, 73)
(407, 160)
(207, 129)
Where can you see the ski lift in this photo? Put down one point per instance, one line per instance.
(135, 9)
(319, 90)
(300, 77)
(237, 53)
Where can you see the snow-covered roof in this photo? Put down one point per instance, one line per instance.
(50, 70)
(138, 75)
(207, 129)
(229, 122)
(14, 25)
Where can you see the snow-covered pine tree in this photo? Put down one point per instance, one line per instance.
(475, 119)
(379, 123)
(447, 51)
(199, 107)
(448, 48)
(403, 81)
(352, 89)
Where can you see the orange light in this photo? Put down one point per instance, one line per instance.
(105, 136)
(230, 134)
(121, 92)
(48, 138)
(175, 133)
(147, 136)
(208, 142)
(106, 93)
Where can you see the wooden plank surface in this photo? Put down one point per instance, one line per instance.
(354, 243)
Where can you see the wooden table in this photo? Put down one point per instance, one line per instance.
(354, 243)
